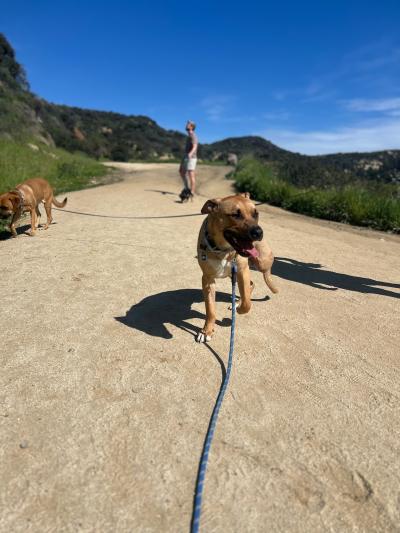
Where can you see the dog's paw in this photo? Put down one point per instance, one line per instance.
(242, 309)
(202, 337)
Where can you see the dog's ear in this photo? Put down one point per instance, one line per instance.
(245, 194)
(211, 206)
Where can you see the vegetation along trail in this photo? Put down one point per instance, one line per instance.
(106, 397)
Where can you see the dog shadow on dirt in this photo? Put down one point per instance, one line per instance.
(161, 192)
(314, 275)
(21, 230)
(171, 307)
(6, 234)
(153, 314)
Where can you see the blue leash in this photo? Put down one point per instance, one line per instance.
(198, 495)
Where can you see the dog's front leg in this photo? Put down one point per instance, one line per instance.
(14, 220)
(209, 298)
(245, 289)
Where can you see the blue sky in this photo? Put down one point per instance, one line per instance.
(312, 76)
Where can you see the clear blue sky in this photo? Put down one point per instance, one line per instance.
(312, 76)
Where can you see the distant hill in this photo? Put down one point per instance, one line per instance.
(306, 171)
(101, 134)
(109, 135)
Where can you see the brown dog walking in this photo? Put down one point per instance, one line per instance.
(230, 231)
(26, 197)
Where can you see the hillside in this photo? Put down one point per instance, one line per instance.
(306, 171)
(100, 134)
(109, 135)
(114, 136)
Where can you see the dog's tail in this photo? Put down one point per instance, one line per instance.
(59, 204)
(269, 282)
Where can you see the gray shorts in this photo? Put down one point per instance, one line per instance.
(189, 163)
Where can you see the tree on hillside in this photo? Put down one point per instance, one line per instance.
(10, 70)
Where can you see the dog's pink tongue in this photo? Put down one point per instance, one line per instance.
(253, 252)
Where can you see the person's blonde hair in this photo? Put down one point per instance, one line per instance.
(191, 123)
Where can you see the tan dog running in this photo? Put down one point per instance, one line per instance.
(231, 230)
(26, 197)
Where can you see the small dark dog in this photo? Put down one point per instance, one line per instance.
(185, 195)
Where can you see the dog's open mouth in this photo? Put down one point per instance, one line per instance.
(244, 247)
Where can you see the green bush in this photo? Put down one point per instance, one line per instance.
(65, 171)
(352, 204)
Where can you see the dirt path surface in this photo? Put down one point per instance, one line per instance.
(106, 397)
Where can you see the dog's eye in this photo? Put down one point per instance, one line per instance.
(255, 214)
(238, 214)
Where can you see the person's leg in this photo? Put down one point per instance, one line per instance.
(183, 172)
(192, 181)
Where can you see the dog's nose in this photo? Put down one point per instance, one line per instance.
(256, 233)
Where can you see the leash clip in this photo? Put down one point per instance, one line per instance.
(233, 270)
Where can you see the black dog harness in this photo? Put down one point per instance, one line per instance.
(208, 245)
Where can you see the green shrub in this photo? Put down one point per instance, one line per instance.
(65, 172)
(379, 209)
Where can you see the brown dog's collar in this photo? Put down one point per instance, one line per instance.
(212, 247)
(21, 197)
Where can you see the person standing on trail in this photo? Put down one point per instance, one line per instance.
(188, 165)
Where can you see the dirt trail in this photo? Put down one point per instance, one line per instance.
(106, 397)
